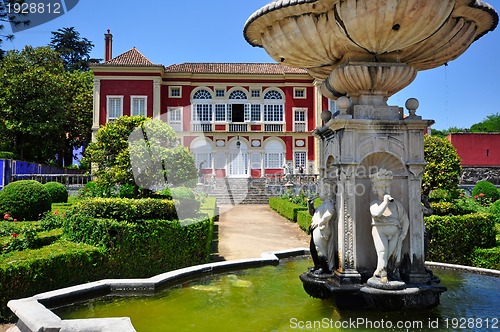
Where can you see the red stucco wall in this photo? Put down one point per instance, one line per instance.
(477, 149)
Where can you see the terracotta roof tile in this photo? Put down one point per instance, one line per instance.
(234, 68)
(130, 58)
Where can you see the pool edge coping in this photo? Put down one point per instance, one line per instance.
(34, 316)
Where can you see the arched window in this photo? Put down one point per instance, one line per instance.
(202, 95)
(202, 110)
(274, 108)
(238, 94)
(273, 94)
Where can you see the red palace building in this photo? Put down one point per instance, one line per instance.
(238, 119)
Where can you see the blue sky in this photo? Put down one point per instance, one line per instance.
(168, 32)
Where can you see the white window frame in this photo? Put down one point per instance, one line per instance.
(220, 112)
(108, 107)
(217, 90)
(202, 112)
(171, 90)
(299, 93)
(273, 160)
(274, 113)
(175, 122)
(255, 93)
(145, 99)
(274, 153)
(303, 162)
(299, 123)
(254, 112)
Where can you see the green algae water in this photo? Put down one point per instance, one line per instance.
(272, 299)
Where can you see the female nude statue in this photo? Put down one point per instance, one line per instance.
(389, 226)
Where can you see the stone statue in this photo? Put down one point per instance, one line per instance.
(389, 227)
(322, 232)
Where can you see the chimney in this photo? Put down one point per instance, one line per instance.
(108, 46)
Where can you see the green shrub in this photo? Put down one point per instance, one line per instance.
(24, 200)
(487, 258)
(488, 189)
(182, 193)
(127, 209)
(146, 247)
(304, 220)
(6, 155)
(29, 272)
(460, 206)
(468, 205)
(286, 208)
(93, 189)
(443, 208)
(453, 239)
(495, 210)
(443, 195)
(57, 191)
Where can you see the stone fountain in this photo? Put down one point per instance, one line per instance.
(362, 52)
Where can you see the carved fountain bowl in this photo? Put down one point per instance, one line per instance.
(323, 35)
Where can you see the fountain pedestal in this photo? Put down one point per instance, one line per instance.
(362, 52)
(352, 150)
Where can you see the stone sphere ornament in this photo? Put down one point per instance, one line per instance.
(343, 103)
(412, 104)
(326, 116)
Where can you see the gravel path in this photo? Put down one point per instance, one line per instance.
(246, 231)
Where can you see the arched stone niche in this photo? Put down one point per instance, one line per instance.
(370, 164)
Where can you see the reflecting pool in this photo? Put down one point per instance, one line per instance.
(272, 299)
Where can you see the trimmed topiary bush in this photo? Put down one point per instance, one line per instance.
(57, 191)
(486, 188)
(25, 200)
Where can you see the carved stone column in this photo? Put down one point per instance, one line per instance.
(417, 227)
(97, 107)
(346, 207)
(156, 98)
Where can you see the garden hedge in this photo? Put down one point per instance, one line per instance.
(24, 200)
(61, 264)
(286, 208)
(487, 258)
(126, 208)
(144, 248)
(453, 239)
(304, 220)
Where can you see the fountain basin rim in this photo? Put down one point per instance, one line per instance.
(33, 313)
(464, 268)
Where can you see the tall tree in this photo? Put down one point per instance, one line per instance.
(139, 152)
(489, 125)
(44, 110)
(6, 15)
(74, 50)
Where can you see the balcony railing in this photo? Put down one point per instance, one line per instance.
(236, 127)
(273, 127)
(201, 127)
